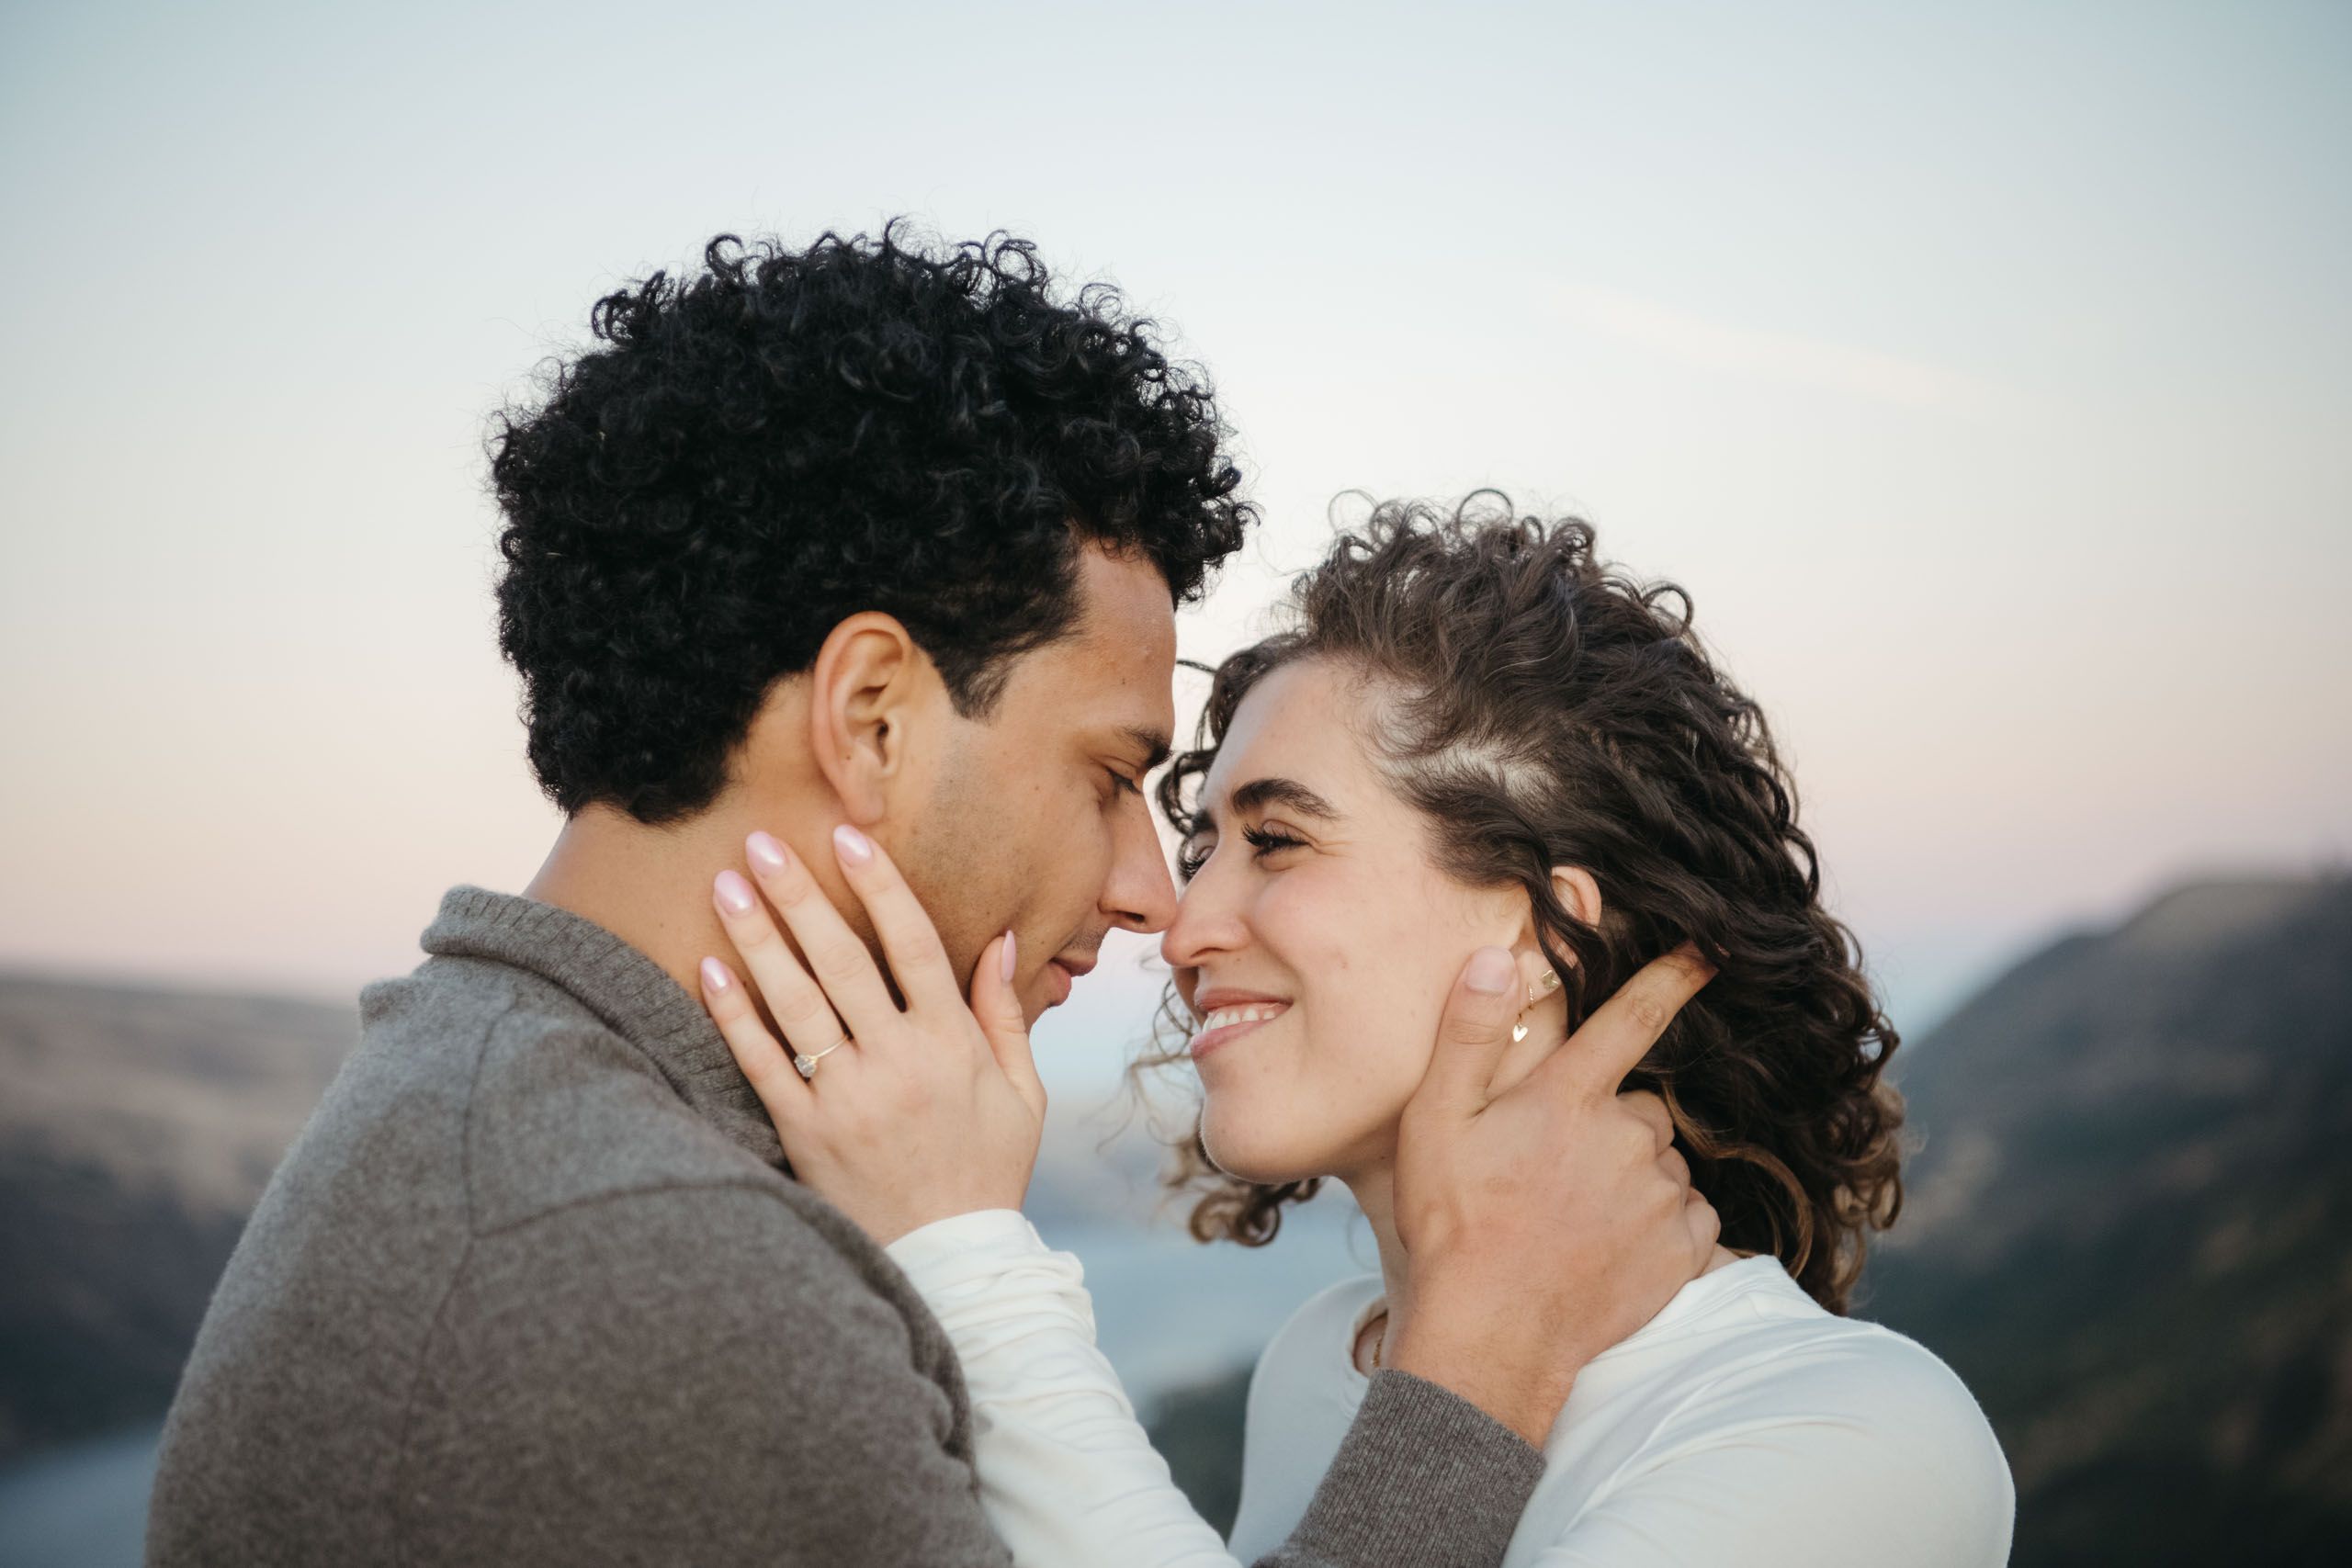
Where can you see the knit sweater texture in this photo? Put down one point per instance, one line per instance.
(534, 1284)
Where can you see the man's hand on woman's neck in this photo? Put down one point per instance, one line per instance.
(1374, 1190)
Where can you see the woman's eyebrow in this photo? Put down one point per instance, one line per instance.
(1259, 794)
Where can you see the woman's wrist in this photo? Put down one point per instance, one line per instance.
(963, 1233)
(955, 1243)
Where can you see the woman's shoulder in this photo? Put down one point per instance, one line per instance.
(1745, 1408)
(1779, 1362)
(1316, 1341)
(1772, 1337)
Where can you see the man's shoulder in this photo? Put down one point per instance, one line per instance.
(564, 1111)
(556, 1107)
(591, 1184)
(585, 1173)
(734, 1247)
(644, 1366)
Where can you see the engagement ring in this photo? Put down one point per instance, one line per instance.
(808, 1065)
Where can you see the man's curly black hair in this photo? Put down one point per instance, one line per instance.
(787, 437)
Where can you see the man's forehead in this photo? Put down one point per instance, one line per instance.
(1114, 675)
(1124, 605)
(1126, 630)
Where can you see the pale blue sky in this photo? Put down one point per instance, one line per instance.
(1984, 372)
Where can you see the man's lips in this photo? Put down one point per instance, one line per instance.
(1226, 1014)
(1061, 974)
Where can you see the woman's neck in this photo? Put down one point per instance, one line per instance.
(1374, 1191)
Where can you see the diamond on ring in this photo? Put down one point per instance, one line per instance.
(806, 1066)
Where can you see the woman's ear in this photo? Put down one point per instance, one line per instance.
(868, 690)
(1542, 1021)
(1579, 894)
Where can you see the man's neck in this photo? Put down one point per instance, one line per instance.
(650, 886)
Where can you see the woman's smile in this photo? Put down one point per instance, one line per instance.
(1226, 1015)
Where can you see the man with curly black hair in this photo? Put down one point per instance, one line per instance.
(859, 539)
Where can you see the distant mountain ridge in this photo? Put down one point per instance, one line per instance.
(138, 1126)
(2130, 1227)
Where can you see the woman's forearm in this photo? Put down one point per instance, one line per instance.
(1067, 1476)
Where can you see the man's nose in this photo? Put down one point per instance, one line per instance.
(1142, 894)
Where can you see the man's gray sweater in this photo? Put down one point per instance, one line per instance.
(535, 1285)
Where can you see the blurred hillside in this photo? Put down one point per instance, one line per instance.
(2129, 1229)
(137, 1129)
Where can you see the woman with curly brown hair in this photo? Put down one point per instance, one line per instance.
(1474, 733)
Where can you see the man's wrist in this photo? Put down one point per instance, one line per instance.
(1513, 1372)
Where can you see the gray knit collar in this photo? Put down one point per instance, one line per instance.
(635, 997)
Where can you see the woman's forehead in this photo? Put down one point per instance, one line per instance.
(1297, 722)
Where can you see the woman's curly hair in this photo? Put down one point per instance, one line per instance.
(788, 437)
(1540, 709)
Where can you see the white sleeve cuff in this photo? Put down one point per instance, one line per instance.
(989, 1277)
(999, 1235)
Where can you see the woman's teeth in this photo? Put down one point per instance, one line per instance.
(1225, 1017)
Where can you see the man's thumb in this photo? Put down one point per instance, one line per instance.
(1473, 1034)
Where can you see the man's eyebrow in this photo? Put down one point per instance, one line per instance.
(1259, 794)
(1153, 743)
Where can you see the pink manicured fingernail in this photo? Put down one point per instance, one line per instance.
(853, 847)
(735, 895)
(767, 853)
(1491, 970)
(715, 978)
(1006, 962)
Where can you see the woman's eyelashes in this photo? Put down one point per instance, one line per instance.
(1262, 842)
(1267, 840)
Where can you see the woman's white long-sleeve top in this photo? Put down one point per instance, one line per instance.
(1743, 1424)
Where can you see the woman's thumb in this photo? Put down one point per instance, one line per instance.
(998, 1007)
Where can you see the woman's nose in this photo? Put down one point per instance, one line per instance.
(1205, 924)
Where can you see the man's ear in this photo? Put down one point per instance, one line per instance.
(868, 691)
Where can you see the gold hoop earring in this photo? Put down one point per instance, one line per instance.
(1535, 994)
